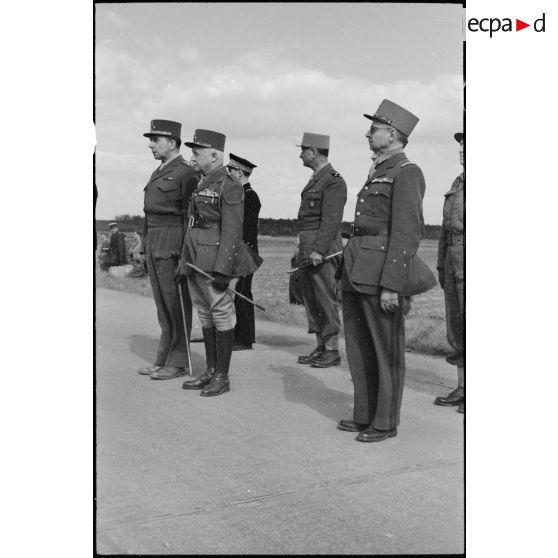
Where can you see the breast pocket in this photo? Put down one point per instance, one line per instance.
(377, 199)
(369, 261)
(312, 202)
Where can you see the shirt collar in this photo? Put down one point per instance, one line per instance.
(169, 160)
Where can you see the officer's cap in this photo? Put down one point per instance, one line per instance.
(236, 162)
(111, 225)
(459, 136)
(319, 141)
(207, 139)
(396, 116)
(167, 128)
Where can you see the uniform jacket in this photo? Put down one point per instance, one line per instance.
(321, 210)
(215, 243)
(453, 217)
(117, 249)
(165, 203)
(252, 207)
(390, 206)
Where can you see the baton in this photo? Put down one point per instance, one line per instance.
(185, 328)
(308, 265)
(228, 288)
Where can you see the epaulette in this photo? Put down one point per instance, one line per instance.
(336, 174)
(407, 163)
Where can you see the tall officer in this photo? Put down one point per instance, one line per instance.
(379, 273)
(319, 224)
(245, 328)
(213, 243)
(166, 199)
(450, 273)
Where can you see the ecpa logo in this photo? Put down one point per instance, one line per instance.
(494, 24)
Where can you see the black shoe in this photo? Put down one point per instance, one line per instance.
(148, 370)
(351, 426)
(199, 383)
(372, 435)
(219, 384)
(241, 347)
(461, 408)
(326, 359)
(307, 359)
(456, 397)
(168, 373)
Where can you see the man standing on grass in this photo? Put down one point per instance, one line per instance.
(166, 200)
(450, 273)
(380, 271)
(245, 328)
(318, 225)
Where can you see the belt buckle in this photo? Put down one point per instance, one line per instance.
(353, 229)
(191, 222)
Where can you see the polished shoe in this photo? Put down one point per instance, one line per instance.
(200, 382)
(372, 435)
(168, 373)
(456, 397)
(219, 384)
(241, 347)
(461, 408)
(148, 370)
(326, 359)
(307, 359)
(210, 340)
(351, 426)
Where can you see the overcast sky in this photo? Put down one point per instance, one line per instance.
(262, 74)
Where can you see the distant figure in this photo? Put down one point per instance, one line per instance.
(450, 273)
(137, 256)
(113, 251)
(245, 328)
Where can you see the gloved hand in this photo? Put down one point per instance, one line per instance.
(220, 281)
(441, 278)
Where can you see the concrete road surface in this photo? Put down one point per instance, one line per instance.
(262, 469)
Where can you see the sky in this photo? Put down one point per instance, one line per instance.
(263, 74)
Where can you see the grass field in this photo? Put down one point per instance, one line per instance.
(425, 324)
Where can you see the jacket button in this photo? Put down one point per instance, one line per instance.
(361, 200)
(358, 212)
(366, 187)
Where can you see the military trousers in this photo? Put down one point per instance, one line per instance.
(454, 286)
(215, 308)
(172, 349)
(375, 345)
(245, 328)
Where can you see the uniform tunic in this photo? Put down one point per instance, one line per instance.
(245, 328)
(450, 267)
(166, 198)
(213, 242)
(319, 223)
(388, 224)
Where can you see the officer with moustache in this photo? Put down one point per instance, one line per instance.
(380, 272)
(245, 328)
(213, 243)
(166, 200)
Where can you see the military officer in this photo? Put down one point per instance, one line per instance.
(450, 273)
(380, 271)
(166, 199)
(245, 328)
(318, 224)
(213, 243)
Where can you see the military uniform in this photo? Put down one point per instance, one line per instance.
(166, 199)
(382, 255)
(318, 223)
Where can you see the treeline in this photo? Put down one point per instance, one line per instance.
(266, 226)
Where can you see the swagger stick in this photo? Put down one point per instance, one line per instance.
(324, 260)
(185, 328)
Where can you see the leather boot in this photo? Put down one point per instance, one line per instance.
(220, 382)
(456, 397)
(210, 340)
(316, 353)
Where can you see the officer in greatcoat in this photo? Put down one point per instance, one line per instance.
(380, 271)
(166, 200)
(245, 328)
(318, 223)
(213, 243)
(450, 274)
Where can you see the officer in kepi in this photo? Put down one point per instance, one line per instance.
(380, 271)
(166, 199)
(213, 244)
(319, 222)
(450, 274)
(245, 328)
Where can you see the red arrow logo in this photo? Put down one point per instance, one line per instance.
(519, 25)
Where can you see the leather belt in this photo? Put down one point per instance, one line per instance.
(202, 224)
(307, 227)
(165, 220)
(368, 231)
(454, 239)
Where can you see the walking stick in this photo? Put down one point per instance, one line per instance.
(201, 272)
(185, 328)
(308, 265)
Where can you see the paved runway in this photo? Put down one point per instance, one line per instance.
(262, 469)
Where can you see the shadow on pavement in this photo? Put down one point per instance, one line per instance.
(145, 347)
(281, 340)
(308, 390)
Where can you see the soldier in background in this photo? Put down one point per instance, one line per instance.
(113, 250)
(319, 221)
(450, 273)
(214, 244)
(380, 271)
(166, 199)
(245, 328)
